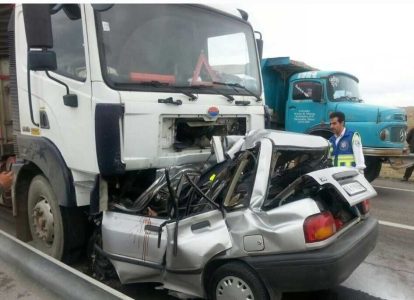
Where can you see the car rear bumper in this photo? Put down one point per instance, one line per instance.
(318, 269)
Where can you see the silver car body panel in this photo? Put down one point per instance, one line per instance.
(187, 284)
(285, 140)
(245, 231)
(131, 273)
(126, 235)
(262, 175)
(200, 237)
(281, 228)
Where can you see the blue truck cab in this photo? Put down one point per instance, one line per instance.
(301, 99)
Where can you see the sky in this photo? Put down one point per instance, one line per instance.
(373, 40)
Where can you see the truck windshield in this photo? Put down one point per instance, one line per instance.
(165, 47)
(343, 88)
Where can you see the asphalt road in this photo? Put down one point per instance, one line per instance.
(387, 273)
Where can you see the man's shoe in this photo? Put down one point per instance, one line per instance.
(404, 179)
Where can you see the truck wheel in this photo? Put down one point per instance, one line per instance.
(373, 168)
(45, 218)
(236, 281)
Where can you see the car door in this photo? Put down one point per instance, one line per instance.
(305, 107)
(199, 238)
(136, 245)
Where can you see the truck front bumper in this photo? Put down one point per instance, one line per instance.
(386, 152)
(318, 269)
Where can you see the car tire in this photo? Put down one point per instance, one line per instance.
(56, 231)
(236, 281)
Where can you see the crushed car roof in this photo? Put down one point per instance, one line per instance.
(286, 140)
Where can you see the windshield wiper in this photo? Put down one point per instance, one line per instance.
(349, 98)
(237, 85)
(343, 98)
(202, 86)
(188, 94)
(155, 83)
(356, 99)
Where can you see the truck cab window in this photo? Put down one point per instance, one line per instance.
(175, 46)
(343, 88)
(305, 90)
(228, 56)
(68, 45)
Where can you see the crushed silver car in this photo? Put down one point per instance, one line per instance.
(267, 217)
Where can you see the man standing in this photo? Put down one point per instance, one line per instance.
(6, 180)
(410, 141)
(346, 145)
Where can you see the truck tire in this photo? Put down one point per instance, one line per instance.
(49, 223)
(236, 281)
(373, 168)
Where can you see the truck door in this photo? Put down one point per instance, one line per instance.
(305, 107)
(67, 124)
(199, 238)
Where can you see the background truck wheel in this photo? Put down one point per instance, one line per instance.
(373, 168)
(236, 281)
(47, 221)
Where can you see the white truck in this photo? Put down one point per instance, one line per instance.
(103, 95)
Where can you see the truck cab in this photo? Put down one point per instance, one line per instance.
(303, 98)
(103, 95)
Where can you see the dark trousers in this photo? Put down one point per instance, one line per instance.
(408, 172)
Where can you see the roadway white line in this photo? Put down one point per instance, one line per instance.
(391, 188)
(396, 225)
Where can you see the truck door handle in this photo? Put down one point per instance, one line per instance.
(291, 107)
(200, 225)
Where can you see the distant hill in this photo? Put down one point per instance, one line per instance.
(410, 114)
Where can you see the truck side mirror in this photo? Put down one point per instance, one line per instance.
(38, 26)
(259, 43)
(44, 60)
(260, 47)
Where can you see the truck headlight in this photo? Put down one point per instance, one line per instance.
(403, 135)
(385, 134)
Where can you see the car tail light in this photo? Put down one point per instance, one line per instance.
(365, 206)
(319, 227)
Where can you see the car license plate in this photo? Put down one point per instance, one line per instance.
(354, 188)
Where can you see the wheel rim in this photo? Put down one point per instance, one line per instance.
(43, 221)
(233, 288)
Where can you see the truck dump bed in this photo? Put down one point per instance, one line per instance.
(7, 144)
(6, 125)
(275, 73)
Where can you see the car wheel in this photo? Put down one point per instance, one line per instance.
(236, 281)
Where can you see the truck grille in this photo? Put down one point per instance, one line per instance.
(400, 117)
(398, 134)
